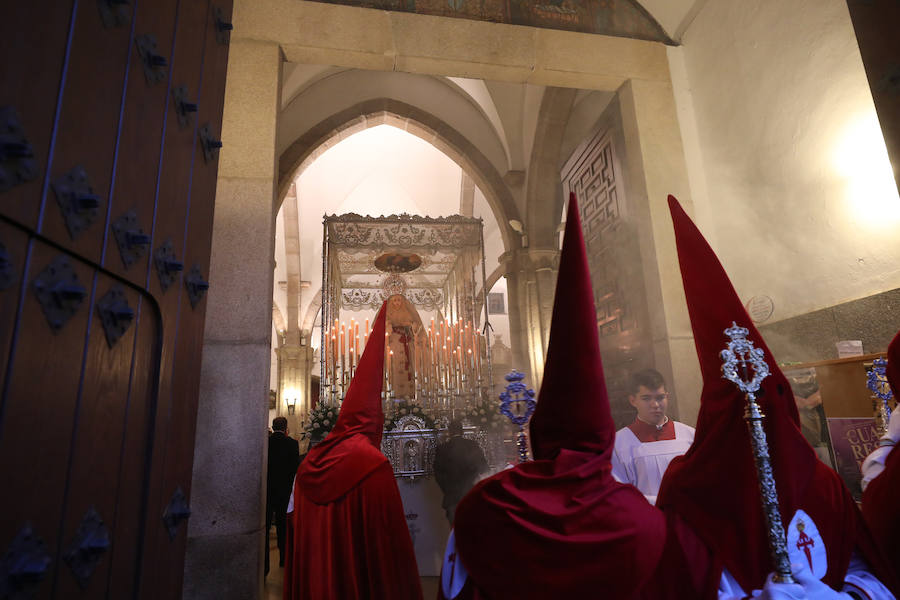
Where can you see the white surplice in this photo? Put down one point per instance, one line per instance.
(642, 464)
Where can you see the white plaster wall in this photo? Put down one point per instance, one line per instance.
(800, 200)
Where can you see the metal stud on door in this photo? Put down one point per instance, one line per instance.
(24, 565)
(130, 238)
(17, 163)
(115, 314)
(90, 544)
(59, 292)
(77, 201)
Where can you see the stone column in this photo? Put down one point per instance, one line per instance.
(225, 536)
(531, 283)
(653, 141)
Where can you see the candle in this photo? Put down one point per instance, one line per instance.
(390, 370)
(333, 357)
(367, 327)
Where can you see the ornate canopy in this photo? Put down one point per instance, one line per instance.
(423, 258)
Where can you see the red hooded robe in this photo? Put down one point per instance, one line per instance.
(349, 535)
(881, 500)
(561, 526)
(713, 487)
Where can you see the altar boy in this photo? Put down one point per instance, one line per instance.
(645, 448)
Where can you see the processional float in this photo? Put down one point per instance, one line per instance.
(431, 272)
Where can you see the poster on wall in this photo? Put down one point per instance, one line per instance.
(805, 386)
(852, 439)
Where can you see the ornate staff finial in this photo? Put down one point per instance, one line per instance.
(519, 398)
(746, 367)
(876, 381)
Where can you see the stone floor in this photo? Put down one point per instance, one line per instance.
(275, 579)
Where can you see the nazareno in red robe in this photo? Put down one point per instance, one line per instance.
(881, 500)
(561, 526)
(349, 537)
(713, 487)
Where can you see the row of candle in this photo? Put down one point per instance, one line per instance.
(340, 364)
(447, 357)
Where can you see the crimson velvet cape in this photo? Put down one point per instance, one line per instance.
(561, 526)
(352, 540)
(349, 535)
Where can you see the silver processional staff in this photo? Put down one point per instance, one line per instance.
(739, 360)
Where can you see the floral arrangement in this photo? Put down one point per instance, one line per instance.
(404, 408)
(485, 415)
(321, 422)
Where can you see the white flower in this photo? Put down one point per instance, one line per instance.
(327, 422)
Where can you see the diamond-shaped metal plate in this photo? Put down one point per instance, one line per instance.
(114, 13)
(130, 238)
(23, 566)
(167, 266)
(153, 62)
(17, 164)
(7, 269)
(77, 201)
(59, 292)
(90, 544)
(115, 314)
(176, 512)
(196, 286)
(209, 143)
(184, 108)
(223, 27)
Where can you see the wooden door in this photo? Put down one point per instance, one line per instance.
(108, 163)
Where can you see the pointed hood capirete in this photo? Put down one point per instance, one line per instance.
(714, 486)
(573, 406)
(353, 448)
(563, 513)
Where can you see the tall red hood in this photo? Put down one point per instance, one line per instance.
(353, 448)
(714, 486)
(573, 407)
(563, 513)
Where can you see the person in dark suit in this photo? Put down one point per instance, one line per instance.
(457, 464)
(284, 458)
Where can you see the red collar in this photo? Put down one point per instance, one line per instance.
(645, 432)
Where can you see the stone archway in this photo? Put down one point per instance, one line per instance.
(388, 111)
(315, 140)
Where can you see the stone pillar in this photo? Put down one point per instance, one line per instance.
(531, 284)
(225, 536)
(466, 195)
(653, 141)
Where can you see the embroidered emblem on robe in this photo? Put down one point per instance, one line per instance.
(453, 574)
(805, 544)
